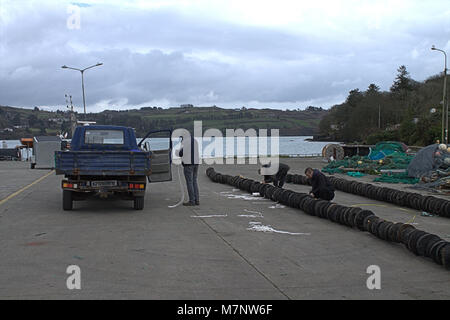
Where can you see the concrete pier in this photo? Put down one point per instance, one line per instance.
(211, 251)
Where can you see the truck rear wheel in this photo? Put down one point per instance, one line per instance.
(67, 200)
(138, 203)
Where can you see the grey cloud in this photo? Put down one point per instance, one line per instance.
(270, 65)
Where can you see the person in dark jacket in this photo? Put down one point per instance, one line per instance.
(279, 178)
(190, 160)
(321, 187)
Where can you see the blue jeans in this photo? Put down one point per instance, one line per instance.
(190, 173)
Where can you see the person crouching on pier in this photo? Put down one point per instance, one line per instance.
(279, 178)
(321, 187)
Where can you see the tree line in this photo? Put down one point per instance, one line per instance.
(411, 112)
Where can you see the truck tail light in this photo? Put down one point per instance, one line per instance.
(67, 185)
(137, 186)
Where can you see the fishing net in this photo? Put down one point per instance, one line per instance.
(386, 148)
(396, 178)
(425, 162)
(431, 166)
(385, 156)
(355, 162)
(441, 184)
(355, 174)
(395, 161)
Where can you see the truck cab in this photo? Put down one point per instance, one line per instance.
(107, 162)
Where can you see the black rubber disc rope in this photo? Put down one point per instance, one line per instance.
(419, 242)
(412, 200)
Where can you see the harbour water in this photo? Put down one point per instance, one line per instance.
(288, 146)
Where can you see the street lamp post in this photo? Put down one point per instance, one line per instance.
(444, 99)
(82, 79)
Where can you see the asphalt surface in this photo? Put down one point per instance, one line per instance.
(217, 250)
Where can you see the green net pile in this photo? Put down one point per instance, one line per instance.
(396, 159)
(349, 162)
(356, 174)
(386, 148)
(364, 164)
(397, 178)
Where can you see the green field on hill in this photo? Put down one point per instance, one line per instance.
(16, 123)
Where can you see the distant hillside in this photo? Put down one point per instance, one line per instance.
(16, 123)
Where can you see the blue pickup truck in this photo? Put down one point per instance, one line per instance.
(107, 161)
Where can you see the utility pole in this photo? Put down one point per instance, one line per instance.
(82, 79)
(444, 100)
(379, 116)
(73, 118)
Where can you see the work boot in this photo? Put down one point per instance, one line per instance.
(197, 203)
(188, 204)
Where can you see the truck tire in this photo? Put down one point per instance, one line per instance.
(138, 203)
(67, 200)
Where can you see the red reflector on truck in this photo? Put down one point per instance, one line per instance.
(136, 186)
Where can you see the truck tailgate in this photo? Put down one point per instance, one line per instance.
(102, 163)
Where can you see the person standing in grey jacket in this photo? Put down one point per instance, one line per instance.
(190, 160)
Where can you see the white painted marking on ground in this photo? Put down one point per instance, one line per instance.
(211, 216)
(277, 206)
(254, 214)
(250, 211)
(258, 226)
(244, 197)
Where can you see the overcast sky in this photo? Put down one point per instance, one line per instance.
(229, 53)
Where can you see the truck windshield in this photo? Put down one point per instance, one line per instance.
(103, 137)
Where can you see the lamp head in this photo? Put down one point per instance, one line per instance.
(64, 67)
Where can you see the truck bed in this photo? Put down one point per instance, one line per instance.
(105, 163)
